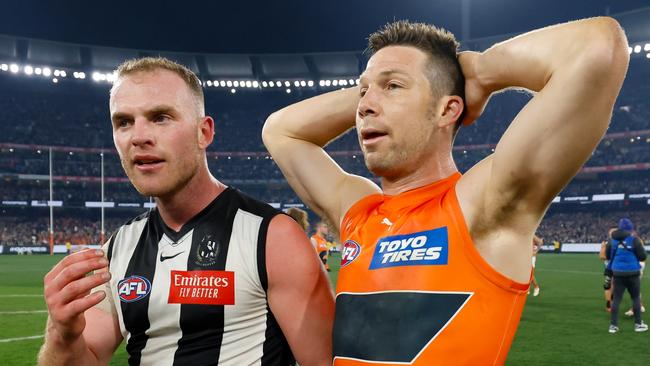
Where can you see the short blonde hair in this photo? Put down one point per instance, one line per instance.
(151, 64)
(300, 216)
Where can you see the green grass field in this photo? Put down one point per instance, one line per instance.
(565, 325)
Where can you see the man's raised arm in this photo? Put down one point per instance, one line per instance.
(576, 70)
(295, 137)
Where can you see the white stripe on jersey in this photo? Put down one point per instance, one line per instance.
(165, 331)
(245, 323)
(124, 245)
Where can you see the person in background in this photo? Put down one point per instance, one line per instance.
(626, 256)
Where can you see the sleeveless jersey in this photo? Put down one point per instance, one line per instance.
(413, 289)
(197, 296)
(321, 244)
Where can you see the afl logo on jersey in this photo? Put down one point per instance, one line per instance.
(133, 288)
(351, 251)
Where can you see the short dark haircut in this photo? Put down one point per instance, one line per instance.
(445, 74)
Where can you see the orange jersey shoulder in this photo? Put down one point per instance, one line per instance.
(413, 289)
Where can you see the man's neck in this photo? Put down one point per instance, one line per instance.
(180, 207)
(433, 170)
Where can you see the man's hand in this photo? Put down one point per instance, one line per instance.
(476, 94)
(67, 288)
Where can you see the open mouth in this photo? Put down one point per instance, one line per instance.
(147, 162)
(372, 135)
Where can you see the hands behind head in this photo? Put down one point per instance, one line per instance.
(476, 94)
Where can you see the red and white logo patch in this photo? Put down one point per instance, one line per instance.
(133, 288)
(351, 250)
(202, 287)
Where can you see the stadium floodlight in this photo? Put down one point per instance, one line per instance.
(96, 76)
(28, 70)
(357, 81)
(629, 49)
(296, 83)
(4, 67)
(335, 82)
(328, 82)
(321, 82)
(14, 68)
(56, 72)
(310, 83)
(236, 84)
(38, 151)
(637, 48)
(38, 71)
(82, 75)
(233, 91)
(229, 83)
(256, 84)
(55, 80)
(264, 84)
(222, 84)
(249, 84)
(343, 82)
(47, 72)
(303, 83)
(110, 77)
(271, 84)
(646, 47)
(63, 73)
(287, 84)
(288, 91)
(209, 82)
(647, 55)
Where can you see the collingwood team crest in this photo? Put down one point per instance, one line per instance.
(207, 251)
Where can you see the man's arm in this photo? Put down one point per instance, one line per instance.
(295, 137)
(77, 332)
(603, 251)
(299, 293)
(639, 249)
(576, 70)
(608, 250)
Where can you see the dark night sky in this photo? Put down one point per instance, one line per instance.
(256, 26)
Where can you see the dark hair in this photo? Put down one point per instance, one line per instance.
(444, 71)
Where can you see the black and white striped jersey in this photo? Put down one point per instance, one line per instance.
(198, 296)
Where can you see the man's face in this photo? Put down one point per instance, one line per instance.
(155, 129)
(323, 229)
(395, 117)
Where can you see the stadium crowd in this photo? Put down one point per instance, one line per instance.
(43, 115)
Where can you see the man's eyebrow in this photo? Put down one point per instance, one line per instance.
(386, 73)
(156, 110)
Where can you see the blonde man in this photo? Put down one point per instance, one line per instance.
(203, 277)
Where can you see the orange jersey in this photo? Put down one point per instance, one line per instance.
(320, 243)
(414, 290)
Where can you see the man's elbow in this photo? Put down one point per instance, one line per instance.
(606, 52)
(271, 128)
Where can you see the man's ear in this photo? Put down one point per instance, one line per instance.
(451, 108)
(205, 132)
